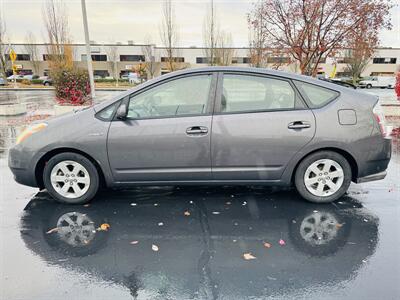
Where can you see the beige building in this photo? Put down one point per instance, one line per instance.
(385, 61)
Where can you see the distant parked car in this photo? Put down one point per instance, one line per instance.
(12, 77)
(48, 82)
(27, 77)
(378, 82)
(211, 126)
(2, 81)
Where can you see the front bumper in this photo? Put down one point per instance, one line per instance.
(22, 163)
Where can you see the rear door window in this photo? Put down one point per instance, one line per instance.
(246, 93)
(315, 95)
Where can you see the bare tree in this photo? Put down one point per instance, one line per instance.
(169, 34)
(258, 52)
(312, 30)
(112, 54)
(32, 50)
(224, 51)
(59, 50)
(149, 57)
(210, 34)
(4, 49)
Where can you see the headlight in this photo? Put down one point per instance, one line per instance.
(27, 132)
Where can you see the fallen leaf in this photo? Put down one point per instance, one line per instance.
(267, 245)
(86, 205)
(186, 213)
(134, 242)
(155, 204)
(160, 224)
(234, 241)
(103, 227)
(215, 212)
(248, 256)
(154, 248)
(52, 230)
(191, 202)
(315, 211)
(365, 220)
(244, 203)
(338, 225)
(133, 204)
(282, 242)
(228, 203)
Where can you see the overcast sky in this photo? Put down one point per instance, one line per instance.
(123, 20)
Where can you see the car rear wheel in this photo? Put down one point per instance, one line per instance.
(71, 178)
(323, 177)
(369, 86)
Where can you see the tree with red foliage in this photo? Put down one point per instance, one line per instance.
(312, 30)
(397, 88)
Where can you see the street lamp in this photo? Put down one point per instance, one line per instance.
(88, 52)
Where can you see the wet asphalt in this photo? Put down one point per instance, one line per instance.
(191, 243)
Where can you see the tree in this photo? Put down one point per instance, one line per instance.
(112, 54)
(210, 34)
(257, 37)
(224, 51)
(357, 58)
(312, 30)
(169, 34)
(32, 50)
(59, 51)
(397, 87)
(4, 49)
(149, 57)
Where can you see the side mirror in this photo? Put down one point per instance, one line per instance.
(122, 112)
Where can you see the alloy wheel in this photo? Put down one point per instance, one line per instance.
(70, 179)
(323, 177)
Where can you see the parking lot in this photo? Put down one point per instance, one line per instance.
(196, 242)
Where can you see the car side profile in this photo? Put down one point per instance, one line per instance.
(216, 125)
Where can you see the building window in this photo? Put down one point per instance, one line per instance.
(47, 57)
(344, 60)
(95, 57)
(100, 73)
(19, 57)
(384, 60)
(202, 60)
(131, 58)
(278, 60)
(174, 59)
(241, 60)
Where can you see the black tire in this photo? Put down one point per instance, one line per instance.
(369, 86)
(306, 162)
(93, 175)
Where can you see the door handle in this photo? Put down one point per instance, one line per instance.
(197, 130)
(299, 125)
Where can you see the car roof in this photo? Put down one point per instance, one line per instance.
(254, 71)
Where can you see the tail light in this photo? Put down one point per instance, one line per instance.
(380, 119)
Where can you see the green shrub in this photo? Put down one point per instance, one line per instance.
(37, 81)
(35, 77)
(105, 80)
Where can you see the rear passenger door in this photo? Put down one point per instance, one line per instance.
(259, 123)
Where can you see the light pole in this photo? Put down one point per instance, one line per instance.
(88, 52)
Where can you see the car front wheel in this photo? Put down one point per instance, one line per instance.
(71, 178)
(323, 177)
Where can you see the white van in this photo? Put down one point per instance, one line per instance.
(378, 81)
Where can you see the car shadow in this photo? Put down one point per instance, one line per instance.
(190, 242)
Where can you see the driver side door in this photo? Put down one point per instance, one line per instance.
(166, 136)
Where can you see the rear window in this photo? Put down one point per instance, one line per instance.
(316, 96)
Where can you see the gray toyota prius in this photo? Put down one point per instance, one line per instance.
(216, 125)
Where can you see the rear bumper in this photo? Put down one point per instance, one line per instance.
(372, 177)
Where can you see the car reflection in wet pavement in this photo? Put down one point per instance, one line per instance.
(201, 235)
